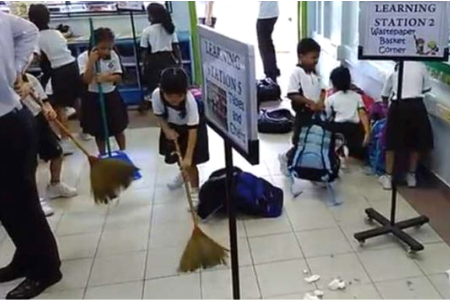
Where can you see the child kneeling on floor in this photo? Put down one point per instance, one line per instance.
(179, 117)
(49, 148)
(348, 114)
(109, 75)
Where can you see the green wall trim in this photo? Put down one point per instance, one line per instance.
(302, 19)
(195, 44)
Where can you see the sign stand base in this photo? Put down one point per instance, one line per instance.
(232, 220)
(390, 226)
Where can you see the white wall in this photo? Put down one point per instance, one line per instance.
(370, 75)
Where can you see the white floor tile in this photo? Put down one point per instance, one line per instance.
(118, 269)
(75, 275)
(165, 196)
(309, 217)
(435, 259)
(163, 262)
(126, 216)
(282, 278)
(344, 266)
(412, 288)
(178, 287)
(170, 235)
(362, 291)
(323, 242)
(274, 248)
(118, 241)
(262, 227)
(389, 264)
(168, 213)
(78, 245)
(138, 197)
(131, 290)
(442, 284)
(218, 284)
(71, 294)
(81, 222)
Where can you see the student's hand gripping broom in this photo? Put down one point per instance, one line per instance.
(201, 251)
(108, 176)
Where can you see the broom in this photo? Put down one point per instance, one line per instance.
(108, 176)
(201, 251)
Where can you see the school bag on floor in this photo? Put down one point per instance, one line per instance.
(315, 158)
(254, 196)
(277, 121)
(267, 90)
(377, 147)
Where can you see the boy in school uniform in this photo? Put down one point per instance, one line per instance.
(305, 90)
(408, 127)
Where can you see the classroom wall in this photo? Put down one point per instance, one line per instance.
(370, 75)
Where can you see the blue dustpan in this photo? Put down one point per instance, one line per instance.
(123, 157)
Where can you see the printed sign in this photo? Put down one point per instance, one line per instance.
(404, 29)
(229, 88)
(130, 5)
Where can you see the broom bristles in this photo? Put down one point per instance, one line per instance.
(109, 177)
(202, 252)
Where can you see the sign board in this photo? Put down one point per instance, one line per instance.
(130, 5)
(408, 30)
(229, 90)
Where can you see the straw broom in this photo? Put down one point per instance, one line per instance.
(108, 176)
(201, 251)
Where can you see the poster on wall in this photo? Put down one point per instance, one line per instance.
(411, 30)
(130, 5)
(229, 90)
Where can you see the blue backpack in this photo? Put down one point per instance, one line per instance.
(254, 196)
(315, 158)
(377, 147)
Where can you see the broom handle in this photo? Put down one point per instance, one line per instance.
(186, 184)
(61, 126)
(101, 95)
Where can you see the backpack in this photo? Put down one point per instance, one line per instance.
(377, 147)
(267, 90)
(254, 196)
(378, 111)
(315, 158)
(276, 121)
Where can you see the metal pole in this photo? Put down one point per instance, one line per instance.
(395, 172)
(136, 53)
(232, 221)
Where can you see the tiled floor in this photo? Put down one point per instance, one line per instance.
(131, 249)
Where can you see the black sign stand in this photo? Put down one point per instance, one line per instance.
(390, 226)
(232, 220)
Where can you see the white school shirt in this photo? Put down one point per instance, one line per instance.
(107, 66)
(38, 92)
(54, 46)
(268, 10)
(192, 117)
(157, 38)
(308, 84)
(345, 106)
(18, 38)
(201, 9)
(416, 82)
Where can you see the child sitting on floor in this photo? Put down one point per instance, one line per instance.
(347, 111)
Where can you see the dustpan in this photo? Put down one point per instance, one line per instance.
(120, 155)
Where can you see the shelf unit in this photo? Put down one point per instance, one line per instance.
(130, 90)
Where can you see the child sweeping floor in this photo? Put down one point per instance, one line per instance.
(109, 75)
(180, 120)
(49, 148)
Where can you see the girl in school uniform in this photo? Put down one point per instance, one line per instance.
(179, 118)
(347, 111)
(159, 45)
(109, 75)
(59, 66)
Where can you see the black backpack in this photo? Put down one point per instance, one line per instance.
(277, 121)
(268, 90)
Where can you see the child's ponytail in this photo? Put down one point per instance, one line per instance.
(158, 14)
